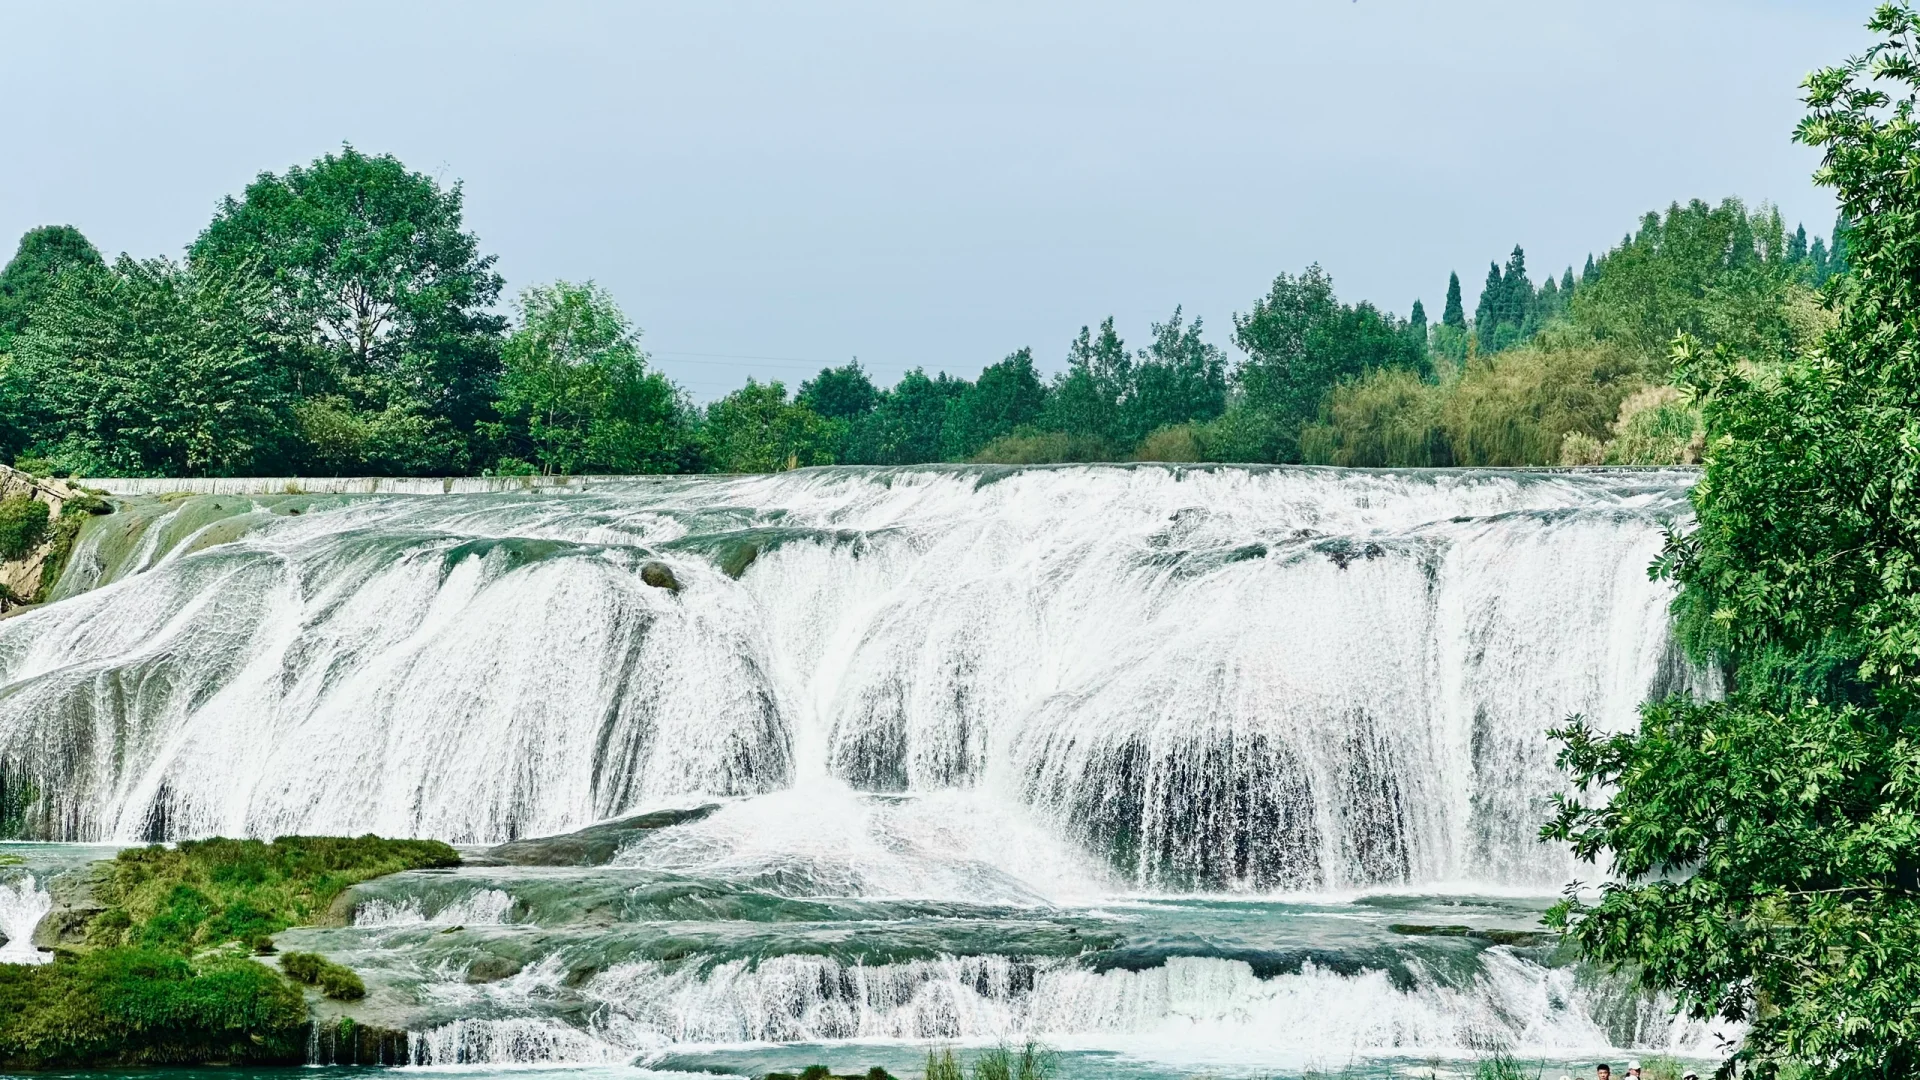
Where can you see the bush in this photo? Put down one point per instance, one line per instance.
(1044, 448)
(128, 1006)
(1517, 408)
(23, 525)
(334, 980)
(1656, 427)
(1386, 418)
(1177, 442)
(209, 892)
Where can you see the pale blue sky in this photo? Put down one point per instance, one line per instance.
(935, 183)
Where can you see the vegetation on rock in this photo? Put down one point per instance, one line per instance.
(165, 973)
(23, 525)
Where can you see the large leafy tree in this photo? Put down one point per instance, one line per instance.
(576, 395)
(756, 429)
(1086, 398)
(905, 427)
(150, 368)
(1300, 342)
(1180, 378)
(1008, 396)
(845, 393)
(1766, 847)
(29, 276)
(370, 267)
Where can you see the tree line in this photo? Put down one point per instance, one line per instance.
(339, 318)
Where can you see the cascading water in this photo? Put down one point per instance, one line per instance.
(1008, 696)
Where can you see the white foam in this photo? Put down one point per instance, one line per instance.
(23, 903)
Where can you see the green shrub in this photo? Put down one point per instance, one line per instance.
(334, 980)
(1044, 448)
(23, 525)
(1518, 407)
(209, 892)
(130, 1006)
(1386, 418)
(34, 466)
(1178, 442)
(1656, 427)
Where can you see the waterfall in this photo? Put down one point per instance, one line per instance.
(1209, 677)
(23, 903)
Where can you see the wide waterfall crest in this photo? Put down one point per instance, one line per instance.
(1269, 678)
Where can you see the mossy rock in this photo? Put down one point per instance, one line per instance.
(660, 576)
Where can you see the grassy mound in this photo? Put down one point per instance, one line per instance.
(205, 893)
(165, 976)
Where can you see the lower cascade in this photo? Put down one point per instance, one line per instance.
(1161, 761)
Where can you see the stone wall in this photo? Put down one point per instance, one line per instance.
(21, 577)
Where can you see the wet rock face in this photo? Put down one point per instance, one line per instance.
(595, 845)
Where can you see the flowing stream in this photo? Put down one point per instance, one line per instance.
(1174, 768)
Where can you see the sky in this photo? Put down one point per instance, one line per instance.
(768, 188)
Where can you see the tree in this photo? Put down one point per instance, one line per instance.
(151, 369)
(1766, 847)
(1086, 397)
(1008, 396)
(1300, 342)
(576, 395)
(371, 270)
(1178, 379)
(904, 428)
(844, 393)
(756, 429)
(28, 278)
(1455, 315)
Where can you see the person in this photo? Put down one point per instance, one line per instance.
(1633, 1070)
(1603, 1071)
(1690, 1075)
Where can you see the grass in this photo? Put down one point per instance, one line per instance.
(165, 976)
(205, 893)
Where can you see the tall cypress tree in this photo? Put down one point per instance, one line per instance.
(1566, 286)
(1797, 246)
(1418, 320)
(1486, 314)
(1455, 315)
(1586, 276)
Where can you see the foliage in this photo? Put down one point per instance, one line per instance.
(147, 1007)
(756, 429)
(1657, 426)
(1006, 397)
(23, 525)
(1178, 442)
(1716, 272)
(203, 893)
(1387, 417)
(575, 394)
(150, 368)
(1043, 448)
(1300, 342)
(905, 425)
(1031, 1062)
(389, 300)
(334, 980)
(1517, 407)
(943, 1065)
(44, 253)
(844, 393)
(1764, 846)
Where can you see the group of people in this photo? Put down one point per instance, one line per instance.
(1604, 1071)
